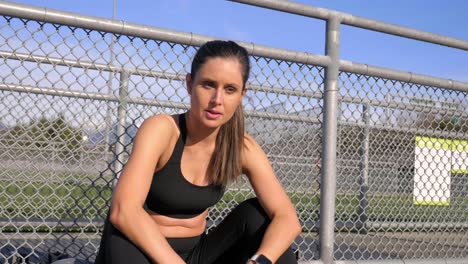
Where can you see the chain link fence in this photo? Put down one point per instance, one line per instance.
(71, 100)
(402, 170)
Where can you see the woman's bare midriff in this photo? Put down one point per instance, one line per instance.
(174, 227)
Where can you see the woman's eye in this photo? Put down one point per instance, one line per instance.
(208, 84)
(231, 89)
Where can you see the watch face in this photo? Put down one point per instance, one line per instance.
(262, 260)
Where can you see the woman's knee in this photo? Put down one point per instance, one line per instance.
(121, 250)
(253, 214)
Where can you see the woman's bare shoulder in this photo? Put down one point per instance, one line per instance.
(251, 149)
(160, 122)
(156, 130)
(249, 142)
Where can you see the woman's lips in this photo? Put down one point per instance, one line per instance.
(212, 114)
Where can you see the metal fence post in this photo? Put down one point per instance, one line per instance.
(364, 169)
(108, 120)
(330, 113)
(120, 131)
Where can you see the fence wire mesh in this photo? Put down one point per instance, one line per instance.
(71, 100)
(402, 171)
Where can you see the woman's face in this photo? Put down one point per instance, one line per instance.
(216, 91)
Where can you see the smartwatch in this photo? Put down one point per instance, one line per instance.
(260, 259)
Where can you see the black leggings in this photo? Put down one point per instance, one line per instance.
(234, 240)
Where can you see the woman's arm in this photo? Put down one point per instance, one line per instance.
(127, 212)
(284, 226)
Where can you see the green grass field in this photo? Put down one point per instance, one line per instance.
(68, 200)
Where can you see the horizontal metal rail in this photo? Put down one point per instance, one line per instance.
(160, 103)
(133, 71)
(409, 130)
(379, 226)
(396, 261)
(360, 69)
(356, 21)
(169, 104)
(403, 76)
(139, 30)
(144, 31)
(88, 65)
(51, 223)
(139, 100)
(339, 225)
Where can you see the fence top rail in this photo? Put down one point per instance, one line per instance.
(145, 31)
(188, 38)
(356, 21)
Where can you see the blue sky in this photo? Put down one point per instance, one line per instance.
(236, 21)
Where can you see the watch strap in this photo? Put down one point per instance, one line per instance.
(260, 259)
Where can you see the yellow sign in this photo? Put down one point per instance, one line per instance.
(436, 159)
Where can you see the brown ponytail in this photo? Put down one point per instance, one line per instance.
(226, 161)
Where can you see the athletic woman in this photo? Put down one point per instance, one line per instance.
(180, 166)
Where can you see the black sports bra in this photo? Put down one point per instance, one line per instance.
(171, 194)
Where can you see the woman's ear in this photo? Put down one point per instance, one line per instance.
(188, 82)
(244, 91)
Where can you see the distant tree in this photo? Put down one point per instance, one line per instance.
(452, 124)
(43, 133)
(433, 121)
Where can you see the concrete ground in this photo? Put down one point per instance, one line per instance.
(349, 246)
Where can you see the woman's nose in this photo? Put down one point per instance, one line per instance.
(217, 97)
